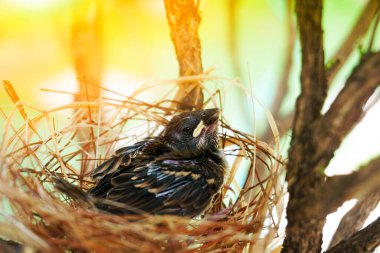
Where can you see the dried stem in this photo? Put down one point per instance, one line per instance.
(184, 19)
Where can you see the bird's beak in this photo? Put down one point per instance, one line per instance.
(210, 117)
(209, 122)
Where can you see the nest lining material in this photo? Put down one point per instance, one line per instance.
(242, 217)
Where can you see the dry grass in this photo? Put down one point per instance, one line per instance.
(244, 217)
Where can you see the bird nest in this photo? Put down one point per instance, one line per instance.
(71, 140)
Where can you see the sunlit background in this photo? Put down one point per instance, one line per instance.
(129, 44)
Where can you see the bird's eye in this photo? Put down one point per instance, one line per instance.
(186, 130)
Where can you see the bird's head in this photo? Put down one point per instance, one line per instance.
(193, 132)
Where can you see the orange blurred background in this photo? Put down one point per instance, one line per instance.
(122, 44)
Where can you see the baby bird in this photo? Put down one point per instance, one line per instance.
(177, 172)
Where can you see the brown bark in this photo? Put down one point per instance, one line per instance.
(346, 110)
(304, 236)
(311, 198)
(316, 137)
(365, 240)
(313, 80)
(337, 61)
(354, 220)
(184, 19)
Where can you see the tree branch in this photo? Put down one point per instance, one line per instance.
(358, 31)
(87, 49)
(303, 182)
(316, 137)
(313, 80)
(339, 189)
(355, 218)
(86, 43)
(346, 111)
(184, 20)
(365, 240)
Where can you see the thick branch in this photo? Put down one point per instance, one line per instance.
(313, 80)
(338, 189)
(365, 240)
(184, 20)
(315, 151)
(358, 31)
(337, 61)
(355, 218)
(303, 181)
(347, 109)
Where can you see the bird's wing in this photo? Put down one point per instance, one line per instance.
(121, 158)
(162, 187)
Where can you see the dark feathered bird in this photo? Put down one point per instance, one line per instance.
(177, 172)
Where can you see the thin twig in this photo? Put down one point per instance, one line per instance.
(339, 189)
(365, 240)
(354, 220)
(373, 34)
(283, 85)
(358, 31)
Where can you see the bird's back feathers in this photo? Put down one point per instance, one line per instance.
(175, 173)
(122, 157)
(163, 186)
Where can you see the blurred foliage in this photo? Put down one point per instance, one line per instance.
(35, 49)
